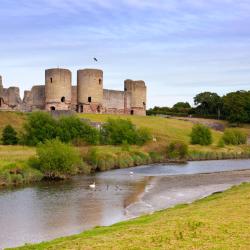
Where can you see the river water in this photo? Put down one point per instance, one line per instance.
(49, 210)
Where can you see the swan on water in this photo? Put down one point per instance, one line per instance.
(92, 185)
(131, 173)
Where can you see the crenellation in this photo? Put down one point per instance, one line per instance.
(88, 96)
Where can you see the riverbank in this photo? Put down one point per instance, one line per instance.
(220, 221)
(15, 170)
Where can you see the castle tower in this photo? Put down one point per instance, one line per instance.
(1, 86)
(136, 92)
(58, 89)
(1, 91)
(90, 91)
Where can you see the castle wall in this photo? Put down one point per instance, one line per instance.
(87, 97)
(113, 101)
(74, 98)
(10, 99)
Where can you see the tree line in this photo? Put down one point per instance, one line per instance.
(233, 107)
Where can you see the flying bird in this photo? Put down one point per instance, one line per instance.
(95, 59)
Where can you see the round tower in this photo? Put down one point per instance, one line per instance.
(58, 89)
(136, 96)
(90, 90)
(1, 86)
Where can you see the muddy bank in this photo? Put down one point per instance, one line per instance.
(168, 191)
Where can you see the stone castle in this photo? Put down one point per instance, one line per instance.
(88, 96)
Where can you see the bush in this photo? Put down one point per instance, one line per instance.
(56, 159)
(119, 131)
(72, 129)
(234, 137)
(9, 136)
(143, 136)
(39, 128)
(156, 157)
(201, 135)
(221, 143)
(177, 150)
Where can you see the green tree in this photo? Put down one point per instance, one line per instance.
(182, 105)
(9, 136)
(236, 107)
(71, 128)
(208, 103)
(120, 131)
(201, 135)
(39, 128)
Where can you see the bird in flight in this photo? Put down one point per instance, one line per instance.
(95, 59)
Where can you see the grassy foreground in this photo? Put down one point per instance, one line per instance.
(220, 221)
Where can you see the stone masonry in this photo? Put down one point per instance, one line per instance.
(88, 96)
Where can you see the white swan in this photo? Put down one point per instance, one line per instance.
(131, 173)
(92, 185)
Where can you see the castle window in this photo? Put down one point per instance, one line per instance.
(51, 80)
(1, 101)
(52, 108)
(63, 99)
(100, 81)
(89, 99)
(144, 104)
(81, 108)
(132, 112)
(125, 89)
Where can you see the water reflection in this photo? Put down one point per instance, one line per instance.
(49, 210)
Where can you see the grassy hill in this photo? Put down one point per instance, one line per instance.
(15, 119)
(211, 223)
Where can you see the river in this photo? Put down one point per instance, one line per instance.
(49, 210)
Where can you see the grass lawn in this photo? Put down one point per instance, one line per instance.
(220, 221)
(14, 119)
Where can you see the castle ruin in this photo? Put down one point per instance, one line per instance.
(88, 96)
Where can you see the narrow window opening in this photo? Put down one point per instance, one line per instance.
(81, 108)
(125, 89)
(51, 80)
(144, 104)
(132, 112)
(99, 109)
(52, 108)
(89, 99)
(1, 101)
(63, 99)
(100, 81)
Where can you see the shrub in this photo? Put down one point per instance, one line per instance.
(56, 159)
(92, 158)
(9, 136)
(177, 150)
(39, 128)
(143, 136)
(201, 135)
(156, 157)
(234, 137)
(119, 131)
(221, 143)
(72, 129)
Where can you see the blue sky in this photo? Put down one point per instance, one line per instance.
(179, 47)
